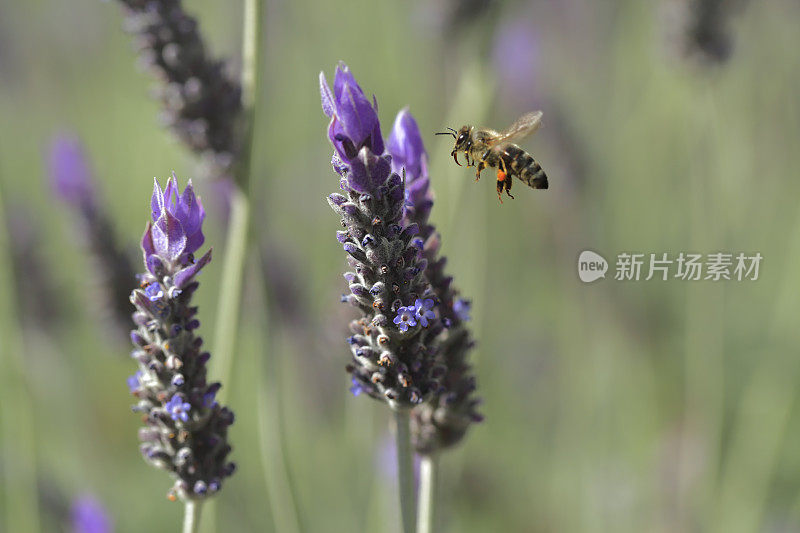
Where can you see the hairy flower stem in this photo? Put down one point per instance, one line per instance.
(191, 518)
(405, 471)
(19, 459)
(428, 471)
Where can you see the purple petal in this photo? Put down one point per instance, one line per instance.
(356, 114)
(147, 242)
(406, 147)
(328, 104)
(157, 201)
(184, 277)
(171, 195)
(169, 239)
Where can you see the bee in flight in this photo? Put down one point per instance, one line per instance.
(489, 148)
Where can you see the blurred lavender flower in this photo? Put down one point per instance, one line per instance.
(516, 61)
(72, 182)
(392, 359)
(201, 103)
(186, 431)
(444, 420)
(89, 516)
(41, 300)
(699, 29)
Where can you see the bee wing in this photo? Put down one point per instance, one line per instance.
(521, 128)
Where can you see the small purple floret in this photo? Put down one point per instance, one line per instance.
(462, 308)
(133, 381)
(357, 387)
(423, 310)
(405, 318)
(178, 409)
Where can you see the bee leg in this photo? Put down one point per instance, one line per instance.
(481, 166)
(502, 179)
(507, 181)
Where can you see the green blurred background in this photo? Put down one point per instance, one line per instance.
(613, 406)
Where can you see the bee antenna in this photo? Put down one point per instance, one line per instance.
(451, 129)
(446, 133)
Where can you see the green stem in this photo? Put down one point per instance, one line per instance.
(428, 471)
(405, 471)
(18, 442)
(274, 459)
(238, 229)
(230, 291)
(191, 517)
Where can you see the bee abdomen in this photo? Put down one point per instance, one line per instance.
(525, 167)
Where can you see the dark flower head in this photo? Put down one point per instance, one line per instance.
(70, 175)
(444, 419)
(113, 269)
(354, 119)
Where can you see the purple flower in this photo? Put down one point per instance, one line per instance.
(423, 311)
(405, 145)
(69, 172)
(516, 59)
(169, 352)
(356, 388)
(133, 381)
(384, 252)
(354, 119)
(462, 308)
(405, 318)
(177, 220)
(154, 292)
(89, 516)
(178, 409)
(408, 153)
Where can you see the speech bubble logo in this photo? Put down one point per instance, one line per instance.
(591, 266)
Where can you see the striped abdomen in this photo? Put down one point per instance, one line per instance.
(523, 166)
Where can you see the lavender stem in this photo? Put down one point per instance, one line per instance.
(405, 470)
(230, 288)
(191, 518)
(238, 228)
(428, 472)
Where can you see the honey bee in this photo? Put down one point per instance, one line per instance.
(488, 148)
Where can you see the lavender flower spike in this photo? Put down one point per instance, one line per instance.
(201, 103)
(393, 350)
(72, 182)
(186, 429)
(443, 421)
